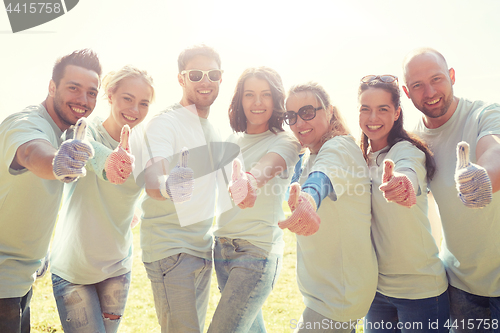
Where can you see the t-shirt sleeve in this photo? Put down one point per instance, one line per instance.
(336, 160)
(159, 138)
(287, 147)
(409, 160)
(489, 121)
(16, 131)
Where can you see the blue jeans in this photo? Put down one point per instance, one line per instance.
(15, 314)
(473, 313)
(246, 275)
(89, 308)
(389, 314)
(181, 288)
(313, 322)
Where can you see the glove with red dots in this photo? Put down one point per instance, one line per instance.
(304, 220)
(396, 186)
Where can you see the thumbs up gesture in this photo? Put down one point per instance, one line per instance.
(396, 186)
(70, 159)
(180, 183)
(304, 220)
(473, 183)
(120, 162)
(243, 187)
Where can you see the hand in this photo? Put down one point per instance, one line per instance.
(396, 186)
(179, 185)
(473, 183)
(120, 162)
(304, 220)
(69, 162)
(243, 187)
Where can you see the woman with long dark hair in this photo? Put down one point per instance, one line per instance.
(412, 284)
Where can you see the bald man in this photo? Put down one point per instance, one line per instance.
(466, 191)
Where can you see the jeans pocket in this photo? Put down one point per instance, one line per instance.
(169, 263)
(244, 246)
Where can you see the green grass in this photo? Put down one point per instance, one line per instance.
(284, 303)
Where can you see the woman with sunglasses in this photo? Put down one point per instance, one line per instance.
(412, 282)
(248, 242)
(91, 258)
(331, 214)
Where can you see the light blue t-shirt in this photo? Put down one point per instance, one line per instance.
(168, 229)
(337, 266)
(259, 224)
(28, 204)
(408, 257)
(471, 246)
(93, 238)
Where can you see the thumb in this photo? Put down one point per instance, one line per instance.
(462, 155)
(124, 138)
(293, 198)
(236, 170)
(388, 171)
(80, 129)
(183, 158)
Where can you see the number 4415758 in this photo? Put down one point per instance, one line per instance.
(34, 7)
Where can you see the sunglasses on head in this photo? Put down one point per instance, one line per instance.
(196, 75)
(307, 112)
(384, 78)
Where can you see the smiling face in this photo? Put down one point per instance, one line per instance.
(257, 104)
(377, 115)
(310, 132)
(202, 93)
(129, 105)
(429, 84)
(74, 97)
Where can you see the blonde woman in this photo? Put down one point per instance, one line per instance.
(91, 257)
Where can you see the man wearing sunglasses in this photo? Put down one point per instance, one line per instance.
(466, 191)
(179, 207)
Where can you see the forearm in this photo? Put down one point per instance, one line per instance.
(36, 156)
(267, 168)
(319, 186)
(488, 156)
(155, 169)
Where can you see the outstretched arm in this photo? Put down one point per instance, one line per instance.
(36, 156)
(488, 156)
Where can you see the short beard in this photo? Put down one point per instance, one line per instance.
(58, 105)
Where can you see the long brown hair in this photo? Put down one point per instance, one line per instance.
(237, 118)
(397, 132)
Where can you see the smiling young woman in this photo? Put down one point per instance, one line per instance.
(412, 284)
(91, 258)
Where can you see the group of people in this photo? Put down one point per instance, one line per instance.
(360, 212)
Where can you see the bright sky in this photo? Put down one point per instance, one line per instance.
(332, 42)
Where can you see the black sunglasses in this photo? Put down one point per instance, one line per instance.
(196, 75)
(384, 78)
(307, 112)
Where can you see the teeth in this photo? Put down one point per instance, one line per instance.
(257, 111)
(434, 101)
(78, 110)
(204, 91)
(129, 118)
(305, 132)
(374, 127)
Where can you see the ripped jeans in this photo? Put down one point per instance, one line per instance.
(91, 308)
